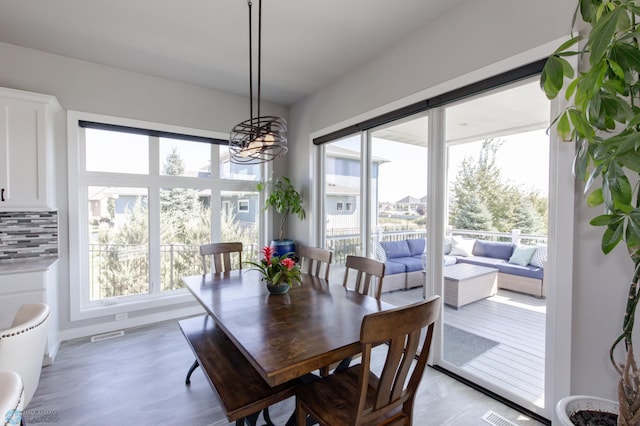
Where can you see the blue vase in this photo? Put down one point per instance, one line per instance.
(282, 247)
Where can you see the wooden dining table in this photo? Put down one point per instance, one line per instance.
(285, 336)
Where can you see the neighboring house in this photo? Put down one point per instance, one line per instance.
(408, 204)
(342, 180)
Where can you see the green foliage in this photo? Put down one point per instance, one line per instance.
(284, 198)
(483, 200)
(472, 213)
(277, 270)
(604, 119)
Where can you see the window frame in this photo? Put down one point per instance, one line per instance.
(79, 179)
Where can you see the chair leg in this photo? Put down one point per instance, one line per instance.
(191, 370)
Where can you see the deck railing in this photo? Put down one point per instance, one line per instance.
(177, 260)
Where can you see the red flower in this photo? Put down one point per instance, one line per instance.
(288, 263)
(277, 269)
(267, 251)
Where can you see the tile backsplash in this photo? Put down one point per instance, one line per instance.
(28, 235)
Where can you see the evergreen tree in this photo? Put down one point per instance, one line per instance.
(178, 203)
(479, 185)
(472, 214)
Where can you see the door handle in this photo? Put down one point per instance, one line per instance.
(2, 195)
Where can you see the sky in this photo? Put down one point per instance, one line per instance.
(523, 160)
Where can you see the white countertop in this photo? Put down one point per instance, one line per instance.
(22, 266)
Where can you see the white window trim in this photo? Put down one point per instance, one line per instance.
(78, 214)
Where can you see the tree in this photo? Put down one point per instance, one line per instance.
(483, 199)
(177, 203)
(473, 214)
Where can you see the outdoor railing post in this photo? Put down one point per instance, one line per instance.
(515, 236)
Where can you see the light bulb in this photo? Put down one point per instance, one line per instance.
(269, 139)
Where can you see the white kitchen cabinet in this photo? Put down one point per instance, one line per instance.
(29, 125)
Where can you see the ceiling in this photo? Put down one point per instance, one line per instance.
(306, 44)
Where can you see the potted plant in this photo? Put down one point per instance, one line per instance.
(279, 273)
(604, 119)
(284, 198)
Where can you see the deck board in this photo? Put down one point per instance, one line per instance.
(517, 322)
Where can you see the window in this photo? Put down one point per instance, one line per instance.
(147, 203)
(339, 206)
(348, 206)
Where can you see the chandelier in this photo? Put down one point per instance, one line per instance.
(260, 138)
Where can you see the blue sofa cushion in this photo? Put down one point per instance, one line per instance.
(391, 267)
(495, 249)
(411, 263)
(396, 249)
(417, 246)
(504, 266)
(523, 271)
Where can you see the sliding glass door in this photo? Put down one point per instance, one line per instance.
(497, 184)
(485, 162)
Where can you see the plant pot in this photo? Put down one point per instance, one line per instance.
(283, 247)
(573, 404)
(278, 288)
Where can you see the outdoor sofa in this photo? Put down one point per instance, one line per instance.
(520, 267)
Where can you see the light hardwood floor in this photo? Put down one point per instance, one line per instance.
(517, 322)
(139, 379)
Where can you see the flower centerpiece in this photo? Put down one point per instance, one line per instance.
(279, 273)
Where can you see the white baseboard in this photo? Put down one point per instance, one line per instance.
(107, 327)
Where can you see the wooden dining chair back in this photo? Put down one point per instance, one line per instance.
(221, 261)
(313, 260)
(356, 396)
(366, 269)
(221, 256)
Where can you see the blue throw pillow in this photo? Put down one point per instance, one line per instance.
(396, 249)
(522, 255)
(495, 249)
(416, 246)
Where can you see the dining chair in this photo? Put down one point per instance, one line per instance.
(22, 346)
(314, 259)
(221, 256)
(221, 261)
(366, 269)
(357, 396)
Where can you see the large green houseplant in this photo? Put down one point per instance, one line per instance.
(604, 119)
(284, 198)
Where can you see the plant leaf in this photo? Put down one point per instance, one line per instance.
(595, 198)
(602, 34)
(552, 77)
(606, 219)
(611, 237)
(567, 44)
(564, 127)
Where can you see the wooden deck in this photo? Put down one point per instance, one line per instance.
(517, 322)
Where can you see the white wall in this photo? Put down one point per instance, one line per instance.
(477, 40)
(88, 87)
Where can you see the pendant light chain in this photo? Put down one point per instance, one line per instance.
(259, 53)
(258, 139)
(251, 69)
